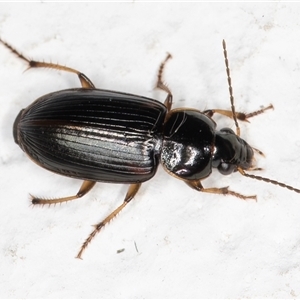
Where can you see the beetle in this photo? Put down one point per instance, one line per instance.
(101, 135)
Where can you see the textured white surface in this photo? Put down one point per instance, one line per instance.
(189, 244)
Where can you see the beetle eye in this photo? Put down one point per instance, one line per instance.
(225, 168)
(227, 130)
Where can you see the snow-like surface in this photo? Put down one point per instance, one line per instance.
(189, 244)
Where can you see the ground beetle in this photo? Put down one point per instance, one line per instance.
(100, 135)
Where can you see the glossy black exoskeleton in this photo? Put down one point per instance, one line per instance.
(108, 136)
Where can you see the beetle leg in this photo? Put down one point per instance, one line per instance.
(240, 116)
(84, 189)
(196, 184)
(133, 189)
(161, 85)
(84, 80)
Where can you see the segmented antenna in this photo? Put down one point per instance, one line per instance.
(268, 180)
(238, 131)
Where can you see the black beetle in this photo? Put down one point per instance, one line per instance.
(108, 136)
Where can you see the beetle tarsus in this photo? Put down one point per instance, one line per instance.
(259, 111)
(132, 191)
(86, 186)
(195, 184)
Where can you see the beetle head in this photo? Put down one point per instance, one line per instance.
(231, 152)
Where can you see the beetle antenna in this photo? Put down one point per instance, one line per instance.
(265, 179)
(238, 131)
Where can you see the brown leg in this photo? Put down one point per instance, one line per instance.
(133, 189)
(240, 116)
(84, 80)
(84, 189)
(161, 85)
(195, 184)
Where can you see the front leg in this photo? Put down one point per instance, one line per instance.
(239, 115)
(196, 185)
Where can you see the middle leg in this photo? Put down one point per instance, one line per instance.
(133, 189)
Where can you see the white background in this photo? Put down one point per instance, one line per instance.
(189, 244)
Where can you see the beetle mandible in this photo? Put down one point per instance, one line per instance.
(100, 135)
